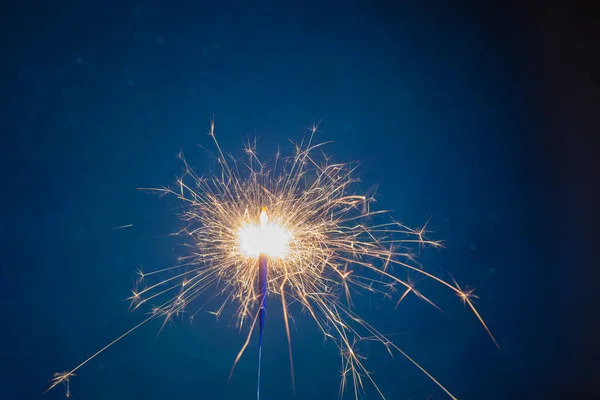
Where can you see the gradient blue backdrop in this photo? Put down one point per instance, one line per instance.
(98, 99)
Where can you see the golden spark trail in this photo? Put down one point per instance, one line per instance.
(302, 218)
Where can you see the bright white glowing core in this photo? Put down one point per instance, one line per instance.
(267, 237)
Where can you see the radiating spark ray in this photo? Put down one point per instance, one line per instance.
(287, 331)
(121, 227)
(65, 376)
(241, 352)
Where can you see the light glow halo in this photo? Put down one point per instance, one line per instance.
(268, 237)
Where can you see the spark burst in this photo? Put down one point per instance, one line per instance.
(321, 240)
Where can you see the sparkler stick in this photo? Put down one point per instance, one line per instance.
(262, 281)
(262, 294)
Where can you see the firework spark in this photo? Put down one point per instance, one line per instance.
(324, 245)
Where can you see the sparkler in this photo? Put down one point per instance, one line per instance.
(296, 226)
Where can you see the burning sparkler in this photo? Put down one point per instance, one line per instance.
(294, 229)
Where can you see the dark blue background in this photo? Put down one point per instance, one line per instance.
(442, 107)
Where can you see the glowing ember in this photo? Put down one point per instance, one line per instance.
(266, 237)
